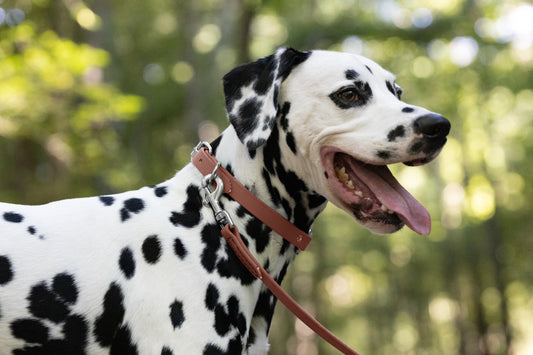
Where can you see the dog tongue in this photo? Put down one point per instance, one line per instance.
(390, 193)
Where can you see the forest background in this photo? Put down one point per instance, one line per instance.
(101, 96)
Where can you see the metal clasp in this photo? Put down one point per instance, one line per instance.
(200, 146)
(211, 197)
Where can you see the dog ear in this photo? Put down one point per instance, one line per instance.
(251, 92)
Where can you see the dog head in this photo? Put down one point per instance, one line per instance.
(343, 121)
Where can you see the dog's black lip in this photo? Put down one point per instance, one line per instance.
(392, 219)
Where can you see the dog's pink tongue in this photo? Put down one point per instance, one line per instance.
(390, 193)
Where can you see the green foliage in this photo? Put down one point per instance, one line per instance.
(54, 107)
(67, 129)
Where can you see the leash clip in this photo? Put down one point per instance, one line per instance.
(201, 145)
(211, 197)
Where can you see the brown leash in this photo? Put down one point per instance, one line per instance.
(213, 172)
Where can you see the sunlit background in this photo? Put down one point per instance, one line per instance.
(104, 96)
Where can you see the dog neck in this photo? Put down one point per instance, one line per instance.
(266, 173)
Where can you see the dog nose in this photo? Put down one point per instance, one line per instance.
(433, 126)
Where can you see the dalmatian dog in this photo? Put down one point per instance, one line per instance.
(147, 271)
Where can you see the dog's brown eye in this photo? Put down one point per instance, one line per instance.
(348, 95)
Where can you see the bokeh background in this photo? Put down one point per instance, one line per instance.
(103, 96)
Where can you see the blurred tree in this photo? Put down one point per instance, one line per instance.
(57, 117)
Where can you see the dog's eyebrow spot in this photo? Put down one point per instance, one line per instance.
(351, 74)
(390, 87)
(370, 70)
(407, 109)
(399, 131)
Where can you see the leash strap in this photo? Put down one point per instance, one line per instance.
(209, 167)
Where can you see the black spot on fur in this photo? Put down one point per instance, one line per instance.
(351, 74)
(256, 230)
(32, 230)
(227, 264)
(247, 117)
(160, 191)
(266, 79)
(233, 267)
(408, 109)
(34, 331)
(291, 142)
(134, 205)
(6, 271)
(265, 306)
(64, 286)
(211, 238)
(399, 131)
(316, 200)
(52, 305)
(273, 191)
(151, 249)
(30, 330)
(222, 320)
(126, 263)
(370, 70)
(13, 217)
(416, 147)
(211, 349)
(237, 319)
(166, 351)
(383, 154)
(179, 248)
(211, 297)
(251, 338)
(283, 121)
(76, 330)
(191, 209)
(122, 342)
(107, 200)
(107, 324)
(176, 314)
(289, 60)
(234, 347)
(46, 304)
(390, 87)
(215, 144)
(254, 144)
(244, 75)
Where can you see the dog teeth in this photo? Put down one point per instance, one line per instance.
(358, 193)
(349, 183)
(341, 174)
(343, 177)
(385, 209)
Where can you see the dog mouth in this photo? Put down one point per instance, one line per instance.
(372, 194)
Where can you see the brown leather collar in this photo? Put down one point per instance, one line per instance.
(208, 165)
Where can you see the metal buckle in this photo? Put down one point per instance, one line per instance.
(200, 146)
(211, 194)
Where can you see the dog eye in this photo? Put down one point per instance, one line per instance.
(348, 95)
